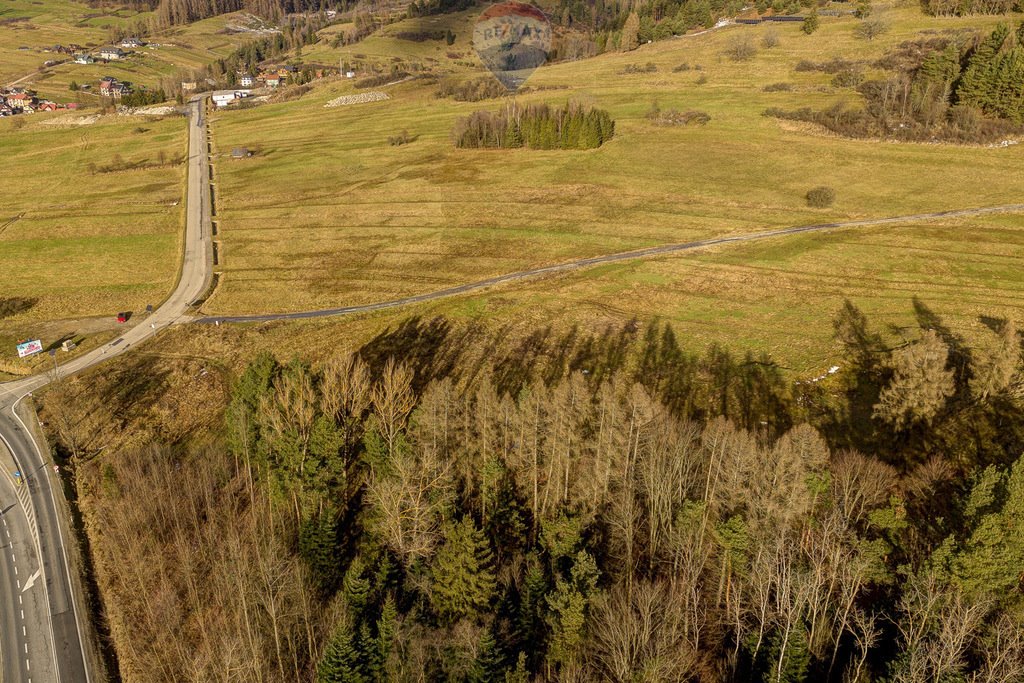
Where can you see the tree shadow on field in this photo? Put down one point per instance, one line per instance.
(134, 387)
(11, 306)
(431, 349)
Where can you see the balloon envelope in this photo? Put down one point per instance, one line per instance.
(512, 39)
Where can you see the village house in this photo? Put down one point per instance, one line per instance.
(112, 53)
(131, 43)
(84, 59)
(271, 80)
(113, 88)
(188, 86)
(223, 98)
(246, 81)
(20, 100)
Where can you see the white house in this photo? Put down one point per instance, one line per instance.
(112, 53)
(84, 59)
(246, 81)
(223, 98)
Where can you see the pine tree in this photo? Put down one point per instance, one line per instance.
(463, 579)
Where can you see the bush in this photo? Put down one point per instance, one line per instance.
(382, 79)
(770, 39)
(850, 78)
(821, 197)
(483, 88)
(648, 68)
(702, 79)
(402, 138)
(682, 67)
(741, 49)
(778, 87)
(673, 117)
(869, 29)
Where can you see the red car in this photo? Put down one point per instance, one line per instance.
(123, 317)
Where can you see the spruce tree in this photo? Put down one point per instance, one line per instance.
(340, 661)
(630, 33)
(462, 576)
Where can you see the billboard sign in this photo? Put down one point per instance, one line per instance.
(30, 347)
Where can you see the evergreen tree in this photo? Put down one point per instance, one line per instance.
(340, 661)
(463, 580)
(630, 33)
(811, 21)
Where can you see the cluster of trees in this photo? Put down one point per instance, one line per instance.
(473, 90)
(971, 92)
(968, 7)
(427, 8)
(536, 127)
(659, 516)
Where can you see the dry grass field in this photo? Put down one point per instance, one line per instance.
(79, 240)
(328, 214)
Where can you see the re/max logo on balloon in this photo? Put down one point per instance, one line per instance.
(512, 32)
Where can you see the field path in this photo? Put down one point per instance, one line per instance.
(578, 264)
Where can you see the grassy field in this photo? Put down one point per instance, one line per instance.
(328, 214)
(81, 241)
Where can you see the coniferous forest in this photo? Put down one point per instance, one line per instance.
(605, 508)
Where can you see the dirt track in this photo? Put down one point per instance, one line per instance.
(610, 258)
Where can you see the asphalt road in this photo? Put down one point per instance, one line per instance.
(41, 639)
(649, 252)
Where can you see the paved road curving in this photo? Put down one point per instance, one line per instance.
(609, 258)
(41, 632)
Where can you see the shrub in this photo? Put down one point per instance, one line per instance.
(770, 39)
(702, 79)
(402, 138)
(778, 87)
(869, 29)
(648, 68)
(741, 49)
(382, 79)
(850, 78)
(483, 88)
(821, 197)
(673, 117)
(682, 67)
(15, 305)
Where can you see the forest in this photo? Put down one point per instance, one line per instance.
(579, 508)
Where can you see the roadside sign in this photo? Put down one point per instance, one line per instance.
(29, 348)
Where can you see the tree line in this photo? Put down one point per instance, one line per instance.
(648, 514)
(535, 126)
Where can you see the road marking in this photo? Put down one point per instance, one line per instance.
(31, 580)
(22, 614)
(19, 600)
(23, 630)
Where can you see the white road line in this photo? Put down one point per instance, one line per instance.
(22, 614)
(23, 630)
(19, 584)
(19, 600)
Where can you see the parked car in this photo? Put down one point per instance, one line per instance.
(123, 317)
